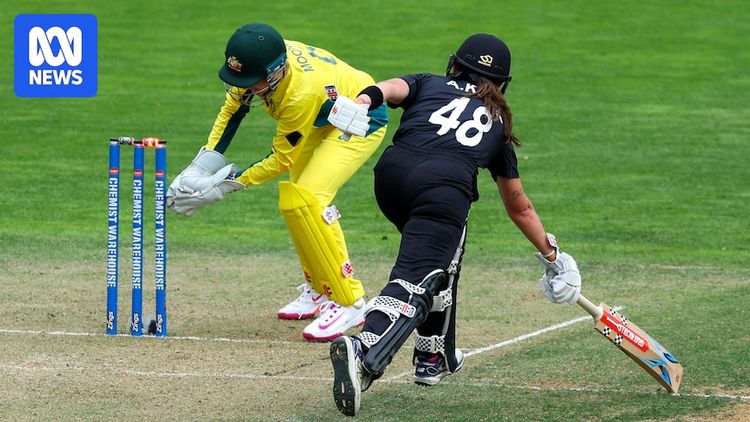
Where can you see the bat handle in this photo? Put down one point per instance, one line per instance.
(345, 136)
(592, 309)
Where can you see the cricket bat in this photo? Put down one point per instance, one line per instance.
(636, 343)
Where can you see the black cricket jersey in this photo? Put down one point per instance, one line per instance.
(440, 120)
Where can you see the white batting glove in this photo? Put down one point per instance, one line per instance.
(561, 281)
(349, 116)
(206, 163)
(194, 193)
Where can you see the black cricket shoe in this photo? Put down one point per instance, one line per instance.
(430, 368)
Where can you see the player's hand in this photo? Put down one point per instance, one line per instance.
(561, 281)
(350, 116)
(197, 192)
(206, 163)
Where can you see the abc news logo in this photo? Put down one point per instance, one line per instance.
(40, 52)
(55, 55)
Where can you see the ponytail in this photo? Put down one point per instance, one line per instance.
(497, 107)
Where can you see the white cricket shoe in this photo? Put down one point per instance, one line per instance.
(306, 306)
(334, 320)
(346, 358)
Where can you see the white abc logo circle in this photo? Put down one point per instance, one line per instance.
(40, 46)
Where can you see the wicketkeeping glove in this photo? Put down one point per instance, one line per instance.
(349, 116)
(197, 192)
(561, 281)
(206, 163)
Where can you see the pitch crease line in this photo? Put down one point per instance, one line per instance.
(514, 340)
(190, 338)
(602, 390)
(35, 369)
(157, 374)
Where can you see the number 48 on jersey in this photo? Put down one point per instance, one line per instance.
(447, 117)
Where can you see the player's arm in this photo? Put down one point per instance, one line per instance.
(351, 116)
(210, 177)
(265, 169)
(392, 91)
(293, 127)
(561, 281)
(521, 211)
(203, 180)
(226, 124)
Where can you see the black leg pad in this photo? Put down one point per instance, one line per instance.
(380, 354)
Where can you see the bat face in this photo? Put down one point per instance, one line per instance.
(640, 347)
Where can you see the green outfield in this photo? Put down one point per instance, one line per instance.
(636, 130)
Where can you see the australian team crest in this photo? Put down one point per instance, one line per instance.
(234, 64)
(332, 92)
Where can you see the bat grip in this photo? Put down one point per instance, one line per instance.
(592, 309)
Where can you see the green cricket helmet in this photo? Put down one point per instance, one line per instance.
(486, 55)
(254, 52)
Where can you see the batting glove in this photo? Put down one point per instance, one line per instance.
(349, 116)
(561, 281)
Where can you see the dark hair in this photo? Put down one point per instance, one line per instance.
(494, 100)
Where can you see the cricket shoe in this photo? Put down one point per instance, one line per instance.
(430, 368)
(334, 320)
(305, 306)
(346, 358)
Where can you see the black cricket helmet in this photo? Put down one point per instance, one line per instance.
(254, 52)
(486, 55)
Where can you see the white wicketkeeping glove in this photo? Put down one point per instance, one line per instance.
(197, 192)
(206, 163)
(349, 116)
(561, 281)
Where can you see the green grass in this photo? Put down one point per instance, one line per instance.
(635, 127)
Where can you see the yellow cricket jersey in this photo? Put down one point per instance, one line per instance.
(300, 104)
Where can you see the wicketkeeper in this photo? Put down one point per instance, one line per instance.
(297, 85)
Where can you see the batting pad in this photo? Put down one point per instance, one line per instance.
(312, 229)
